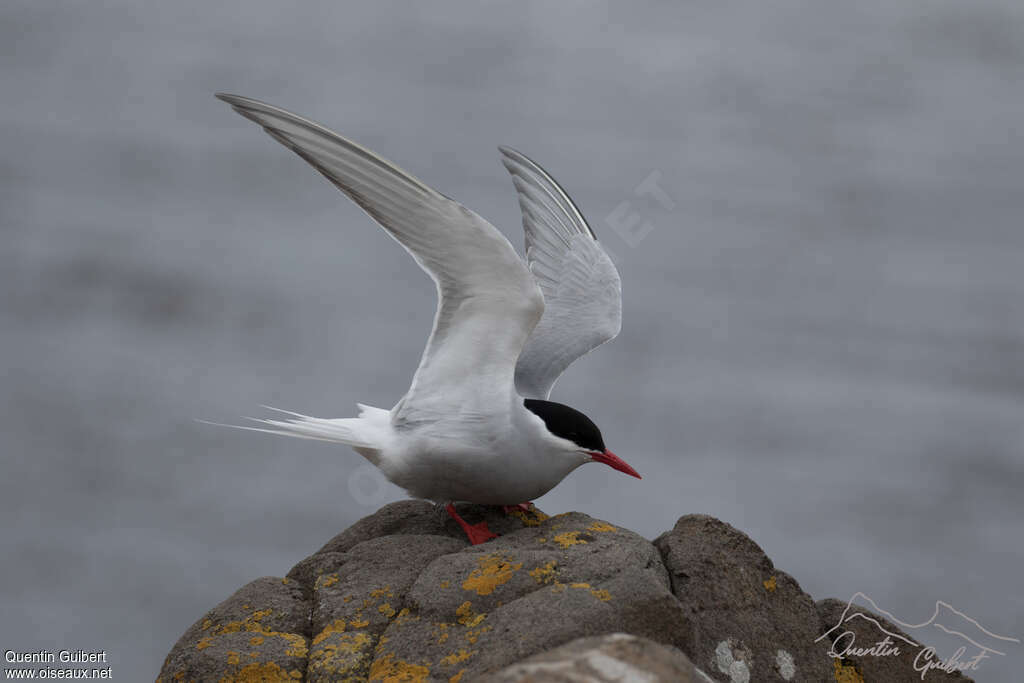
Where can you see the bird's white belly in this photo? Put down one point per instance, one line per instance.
(502, 472)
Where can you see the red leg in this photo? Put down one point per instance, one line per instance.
(525, 507)
(476, 533)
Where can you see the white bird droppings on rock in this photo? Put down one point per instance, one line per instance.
(728, 664)
(784, 660)
(611, 669)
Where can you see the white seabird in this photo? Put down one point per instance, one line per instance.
(476, 424)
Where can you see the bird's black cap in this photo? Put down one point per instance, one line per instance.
(567, 423)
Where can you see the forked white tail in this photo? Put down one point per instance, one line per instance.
(366, 433)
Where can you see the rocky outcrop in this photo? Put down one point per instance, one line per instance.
(746, 615)
(401, 596)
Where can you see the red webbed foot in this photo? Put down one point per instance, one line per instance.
(476, 533)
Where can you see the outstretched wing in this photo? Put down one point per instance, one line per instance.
(582, 291)
(487, 301)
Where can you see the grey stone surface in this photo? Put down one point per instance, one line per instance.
(259, 633)
(531, 590)
(750, 621)
(355, 601)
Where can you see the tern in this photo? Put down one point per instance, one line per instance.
(476, 424)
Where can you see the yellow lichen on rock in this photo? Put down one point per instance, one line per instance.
(387, 610)
(770, 585)
(568, 538)
(296, 643)
(336, 626)
(404, 617)
(262, 673)
(457, 677)
(351, 643)
(472, 636)
(846, 673)
(467, 617)
(533, 517)
(545, 573)
(456, 657)
(493, 571)
(599, 593)
(387, 669)
(602, 527)
(359, 623)
(326, 581)
(347, 654)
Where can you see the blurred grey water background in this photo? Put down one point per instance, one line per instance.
(823, 340)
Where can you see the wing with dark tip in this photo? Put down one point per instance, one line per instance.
(581, 287)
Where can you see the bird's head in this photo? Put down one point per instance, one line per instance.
(571, 431)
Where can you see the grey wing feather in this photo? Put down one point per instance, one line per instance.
(581, 286)
(487, 301)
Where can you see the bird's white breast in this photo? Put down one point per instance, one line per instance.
(490, 461)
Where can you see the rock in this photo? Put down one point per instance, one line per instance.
(402, 596)
(527, 591)
(355, 600)
(886, 665)
(751, 622)
(259, 633)
(602, 659)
